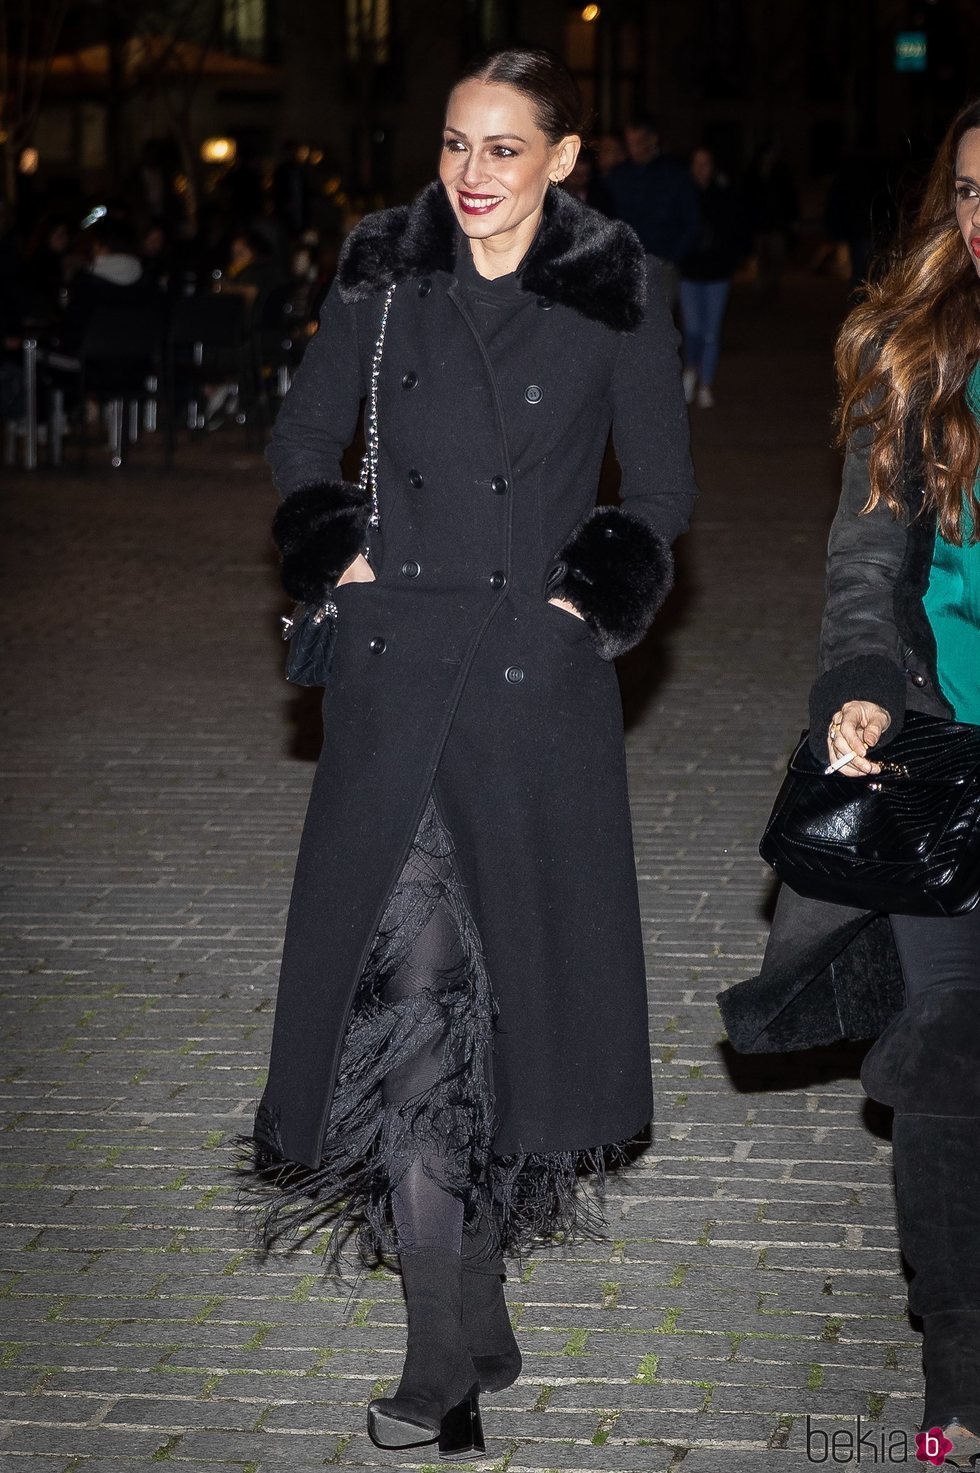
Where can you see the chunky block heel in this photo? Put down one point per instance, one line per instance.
(461, 1433)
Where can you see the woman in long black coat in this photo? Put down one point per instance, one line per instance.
(461, 1019)
(901, 632)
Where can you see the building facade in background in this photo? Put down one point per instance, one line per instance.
(362, 83)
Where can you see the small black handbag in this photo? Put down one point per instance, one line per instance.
(904, 841)
(311, 629)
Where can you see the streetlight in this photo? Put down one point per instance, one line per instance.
(219, 150)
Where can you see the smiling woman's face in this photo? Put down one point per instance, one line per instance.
(496, 162)
(966, 184)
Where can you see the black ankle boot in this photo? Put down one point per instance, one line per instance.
(487, 1327)
(486, 1322)
(926, 1065)
(951, 1358)
(937, 1180)
(438, 1391)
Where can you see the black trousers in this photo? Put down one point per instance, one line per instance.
(938, 951)
(926, 1066)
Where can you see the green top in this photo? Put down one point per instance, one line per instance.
(952, 605)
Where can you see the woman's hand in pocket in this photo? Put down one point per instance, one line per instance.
(359, 571)
(562, 603)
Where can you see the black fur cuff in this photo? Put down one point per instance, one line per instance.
(617, 574)
(319, 530)
(864, 678)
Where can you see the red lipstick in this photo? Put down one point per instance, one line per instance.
(478, 204)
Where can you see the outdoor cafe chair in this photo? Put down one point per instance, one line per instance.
(120, 367)
(208, 347)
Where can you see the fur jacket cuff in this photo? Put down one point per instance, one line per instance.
(863, 678)
(616, 572)
(319, 530)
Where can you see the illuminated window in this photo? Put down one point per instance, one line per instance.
(368, 30)
(247, 28)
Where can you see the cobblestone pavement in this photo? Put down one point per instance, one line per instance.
(157, 772)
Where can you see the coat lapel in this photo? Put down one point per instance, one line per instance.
(579, 258)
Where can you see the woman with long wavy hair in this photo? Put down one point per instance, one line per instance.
(900, 631)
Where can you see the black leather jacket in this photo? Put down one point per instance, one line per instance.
(876, 643)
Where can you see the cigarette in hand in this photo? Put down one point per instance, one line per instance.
(841, 762)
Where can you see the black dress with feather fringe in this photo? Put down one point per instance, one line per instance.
(371, 1141)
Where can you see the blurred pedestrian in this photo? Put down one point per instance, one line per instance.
(436, 1065)
(240, 190)
(588, 185)
(157, 255)
(901, 632)
(47, 267)
(610, 150)
(114, 278)
(654, 192)
(11, 318)
(706, 275)
(251, 268)
(152, 189)
(862, 210)
(291, 189)
(773, 207)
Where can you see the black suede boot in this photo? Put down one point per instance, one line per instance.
(937, 1181)
(951, 1358)
(926, 1065)
(486, 1322)
(438, 1391)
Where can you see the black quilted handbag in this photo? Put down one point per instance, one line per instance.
(903, 841)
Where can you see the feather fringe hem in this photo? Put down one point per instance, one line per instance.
(528, 1199)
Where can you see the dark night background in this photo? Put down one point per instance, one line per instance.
(361, 84)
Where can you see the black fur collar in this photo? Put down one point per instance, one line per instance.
(578, 257)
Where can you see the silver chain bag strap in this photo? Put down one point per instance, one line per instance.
(312, 629)
(369, 462)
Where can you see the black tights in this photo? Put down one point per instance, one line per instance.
(426, 1213)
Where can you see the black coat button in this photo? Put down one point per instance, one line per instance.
(544, 303)
(378, 645)
(532, 394)
(919, 680)
(514, 674)
(425, 286)
(415, 478)
(499, 485)
(498, 580)
(410, 379)
(411, 569)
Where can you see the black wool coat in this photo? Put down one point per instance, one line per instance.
(453, 673)
(831, 971)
